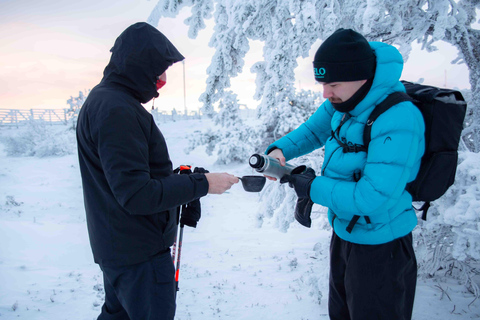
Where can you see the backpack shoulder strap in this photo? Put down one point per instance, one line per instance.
(393, 99)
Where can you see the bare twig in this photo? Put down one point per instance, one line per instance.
(443, 292)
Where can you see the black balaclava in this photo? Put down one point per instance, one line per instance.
(351, 103)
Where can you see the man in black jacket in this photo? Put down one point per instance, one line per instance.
(130, 191)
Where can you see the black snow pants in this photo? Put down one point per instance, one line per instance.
(372, 281)
(142, 291)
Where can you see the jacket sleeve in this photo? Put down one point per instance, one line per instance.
(307, 137)
(393, 160)
(123, 148)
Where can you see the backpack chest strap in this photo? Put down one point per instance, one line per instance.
(347, 147)
(393, 99)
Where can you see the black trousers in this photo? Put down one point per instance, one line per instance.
(144, 291)
(370, 282)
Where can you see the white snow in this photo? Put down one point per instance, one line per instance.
(230, 268)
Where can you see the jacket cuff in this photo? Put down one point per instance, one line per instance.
(270, 149)
(321, 191)
(200, 183)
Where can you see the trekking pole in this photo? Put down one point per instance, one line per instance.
(177, 271)
(183, 169)
(174, 247)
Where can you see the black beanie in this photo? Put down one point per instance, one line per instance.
(344, 56)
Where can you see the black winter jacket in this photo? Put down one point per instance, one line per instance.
(130, 191)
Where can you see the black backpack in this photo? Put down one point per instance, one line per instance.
(443, 111)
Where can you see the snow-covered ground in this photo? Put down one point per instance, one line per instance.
(231, 268)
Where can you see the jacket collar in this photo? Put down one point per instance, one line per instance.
(387, 77)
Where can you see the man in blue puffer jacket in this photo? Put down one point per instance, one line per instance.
(372, 263)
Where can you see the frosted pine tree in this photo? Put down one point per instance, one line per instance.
(288, 29)
(231, 46)
(201, 10)
(75, 104)
(430, 21)
(230, 138)
(235, 144)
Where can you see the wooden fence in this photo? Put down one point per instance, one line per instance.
(19, 117)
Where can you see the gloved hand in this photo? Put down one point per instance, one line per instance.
(200, 170)
(192, 211)
(301, 179)
(303, 210)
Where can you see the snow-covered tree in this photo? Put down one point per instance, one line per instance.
(39, 139)
(75, 104)
(231, 139)
(227, 62)
(429, 21)
(288, 29)
(448, 243)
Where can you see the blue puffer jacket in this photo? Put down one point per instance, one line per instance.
(393, 159)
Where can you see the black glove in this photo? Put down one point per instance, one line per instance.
(192, 211)
(301, 179)
(200, 170)
(303, 209)
(184, 169)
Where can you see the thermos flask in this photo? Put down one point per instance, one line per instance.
(269, 166)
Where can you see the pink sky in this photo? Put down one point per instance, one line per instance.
(51, 50)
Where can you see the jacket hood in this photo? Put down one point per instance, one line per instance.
(139, 55)
(387, 76)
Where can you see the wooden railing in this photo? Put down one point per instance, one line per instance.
(19, 117)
